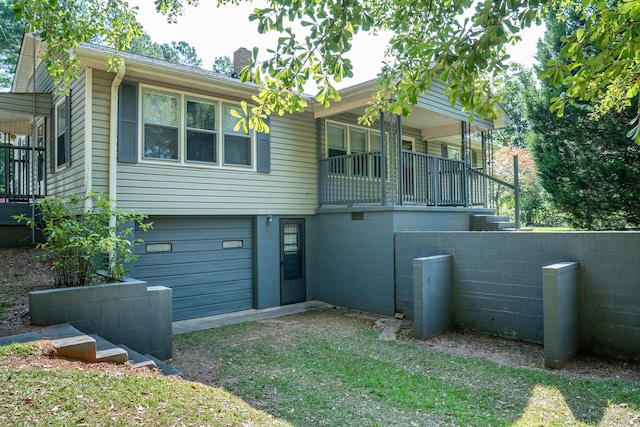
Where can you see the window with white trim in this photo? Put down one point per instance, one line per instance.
(342, 139)
(161, 121)
(202, 135)
(188, 129)
(237, 144)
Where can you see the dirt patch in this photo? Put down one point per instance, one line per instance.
(22, 272)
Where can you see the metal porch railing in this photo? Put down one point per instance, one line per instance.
(418, 179)
(22, 173)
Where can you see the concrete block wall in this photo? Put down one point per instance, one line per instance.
(354, 260)
(118, 312)
(497, 280)
(354, 264)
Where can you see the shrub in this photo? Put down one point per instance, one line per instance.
(80, 243)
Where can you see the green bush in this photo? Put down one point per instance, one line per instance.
(80, 243)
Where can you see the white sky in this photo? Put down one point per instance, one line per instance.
(220, 31)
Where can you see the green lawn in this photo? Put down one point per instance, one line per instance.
(330, 368)
(42, 396)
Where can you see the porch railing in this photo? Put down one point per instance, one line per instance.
(22, 170)
(418, 179)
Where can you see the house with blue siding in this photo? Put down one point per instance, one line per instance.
(245, 220)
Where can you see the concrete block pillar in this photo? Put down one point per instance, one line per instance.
(432, 295)
(561, 313)
(160, 322)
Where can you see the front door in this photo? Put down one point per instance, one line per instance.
(292, 274)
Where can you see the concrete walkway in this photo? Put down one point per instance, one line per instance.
(190, 325)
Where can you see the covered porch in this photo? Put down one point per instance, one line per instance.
(436, 157)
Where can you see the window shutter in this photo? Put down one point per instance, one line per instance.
(264, 150)
(445, 152)
(52, 140)
(128, 122)
(67, 129)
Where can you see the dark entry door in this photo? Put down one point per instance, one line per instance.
(292, 274)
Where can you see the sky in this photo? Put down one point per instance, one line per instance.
(219, 31)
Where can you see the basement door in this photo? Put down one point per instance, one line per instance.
(292, 274)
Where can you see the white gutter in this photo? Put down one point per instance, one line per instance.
(88, 134)
(113, 136)
(113, 152)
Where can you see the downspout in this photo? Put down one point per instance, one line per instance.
(113, 149)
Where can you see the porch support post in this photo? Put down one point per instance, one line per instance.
(465, 178)
(383, 162)
(400, 159)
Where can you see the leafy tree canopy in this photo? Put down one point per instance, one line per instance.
(458, 42)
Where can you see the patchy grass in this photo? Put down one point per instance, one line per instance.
(330, 368)
(34, 394)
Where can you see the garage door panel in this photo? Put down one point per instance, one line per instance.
(206, 279)
(199, 223)
(219, 288)
(203, 234)
(152, 260)
(194, 267)
(202, 279)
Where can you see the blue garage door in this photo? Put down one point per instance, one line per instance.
(206, 261)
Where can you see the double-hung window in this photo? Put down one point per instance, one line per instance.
(193, 130)
(237, 144)
(161, 117)
(202, 136)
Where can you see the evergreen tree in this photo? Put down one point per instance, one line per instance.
(11, 30)
(590, 167)
(178, 52)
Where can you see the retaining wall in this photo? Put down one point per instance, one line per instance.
(497, 282)
(127, 312)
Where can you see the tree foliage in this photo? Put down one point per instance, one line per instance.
(11, 31)
(589, 167)
(178, 52)
(512, 88)
(460, 43)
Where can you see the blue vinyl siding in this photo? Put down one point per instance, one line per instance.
(206, 279)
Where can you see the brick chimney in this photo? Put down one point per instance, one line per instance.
(241, 58)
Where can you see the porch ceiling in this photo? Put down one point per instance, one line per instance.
(355, 100)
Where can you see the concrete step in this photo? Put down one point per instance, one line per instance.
(164, 367)
(80, 347)
(19, 338)
(108, 352)
(490, 223)
(138, 360)
(63, 330)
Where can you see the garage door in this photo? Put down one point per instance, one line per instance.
(206, 261)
